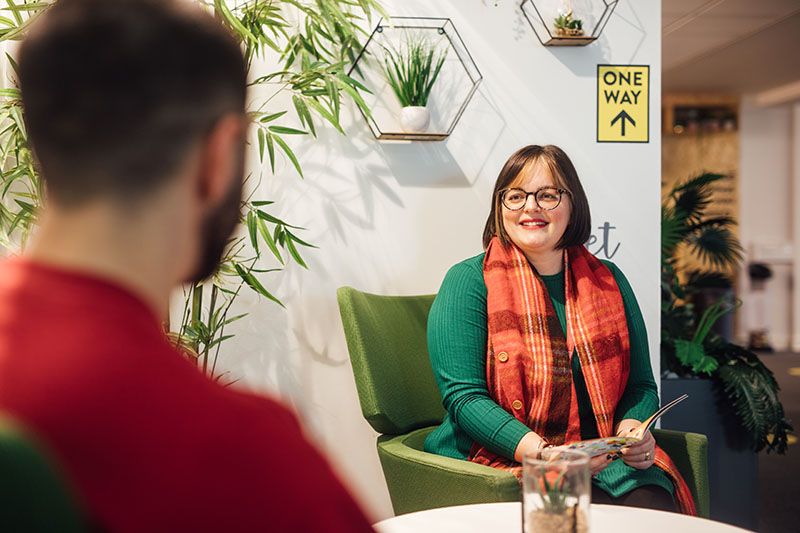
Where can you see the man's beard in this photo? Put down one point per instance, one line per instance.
(217, 227)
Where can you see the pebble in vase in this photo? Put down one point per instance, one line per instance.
(415, 119)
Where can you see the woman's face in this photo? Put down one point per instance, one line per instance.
(534, 230)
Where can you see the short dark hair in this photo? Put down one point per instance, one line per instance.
(117, 92)
(565, 176)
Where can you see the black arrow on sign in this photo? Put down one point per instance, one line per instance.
(621, 117)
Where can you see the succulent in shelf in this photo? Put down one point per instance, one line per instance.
(567, 26)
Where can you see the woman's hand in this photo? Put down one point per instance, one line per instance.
(599, 463)
(531, 442)
(641, 455)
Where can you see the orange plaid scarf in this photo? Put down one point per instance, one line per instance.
(528, 357)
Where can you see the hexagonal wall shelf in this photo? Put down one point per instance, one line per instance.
(457, 81)
(542, 15)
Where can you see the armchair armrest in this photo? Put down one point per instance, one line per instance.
(419, 480)
(689, 452)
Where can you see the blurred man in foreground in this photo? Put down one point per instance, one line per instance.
(136, 112)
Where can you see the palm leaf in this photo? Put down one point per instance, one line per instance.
(673, 230)
(701, 181)
(716, 246)
(699, 279)
(721, 221)
(755, 402)
(692, 202)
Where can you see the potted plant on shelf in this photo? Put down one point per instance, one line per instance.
(566, 26)
(411, 72)
(733, 395)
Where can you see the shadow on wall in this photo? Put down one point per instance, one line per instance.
(599, 52)
(348, 180)
(263, 365)
(455, 162)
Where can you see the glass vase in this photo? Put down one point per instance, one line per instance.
(556, 492)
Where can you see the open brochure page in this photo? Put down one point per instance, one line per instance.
(606, 445)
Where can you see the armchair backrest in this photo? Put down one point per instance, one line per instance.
(33, 496)
(387, 340)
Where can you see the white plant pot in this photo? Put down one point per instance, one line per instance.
(415, 119)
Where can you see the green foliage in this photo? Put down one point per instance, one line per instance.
(412, 70)
(21, 191)
(683, 225)
(691, 353)
(753, 393)
(688, 347)
(566, 22)
(553, 489)
(311, 41)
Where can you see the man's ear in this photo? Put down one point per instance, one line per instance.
(220, 158)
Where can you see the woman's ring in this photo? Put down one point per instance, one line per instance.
(646, 456)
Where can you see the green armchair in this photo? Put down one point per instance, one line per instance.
(387, 340)
(689, 452)
(33, 497)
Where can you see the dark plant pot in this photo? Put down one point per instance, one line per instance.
(732, 466)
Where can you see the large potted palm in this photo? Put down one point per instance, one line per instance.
(733, 395)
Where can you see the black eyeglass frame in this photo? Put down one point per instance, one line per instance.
(535, 194)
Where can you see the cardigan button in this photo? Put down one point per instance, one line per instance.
(516, 404)
(502, 357)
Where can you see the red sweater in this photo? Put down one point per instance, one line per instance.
(149, 443)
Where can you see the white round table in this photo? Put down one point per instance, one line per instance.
(507, 518)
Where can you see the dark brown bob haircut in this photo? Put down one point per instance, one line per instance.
(118, 92)
(563, 171)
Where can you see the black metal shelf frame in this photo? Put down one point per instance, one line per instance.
(536, 16)
(457, 82)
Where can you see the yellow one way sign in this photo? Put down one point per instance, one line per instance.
(623, 103)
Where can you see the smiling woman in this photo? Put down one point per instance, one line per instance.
(536, 342)
(537, 227)
(544, 226)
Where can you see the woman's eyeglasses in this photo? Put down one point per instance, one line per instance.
(546, 197)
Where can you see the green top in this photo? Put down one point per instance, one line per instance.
(457, 338)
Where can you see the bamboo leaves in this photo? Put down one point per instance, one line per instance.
(313, 53)
(20, 194)
(311, 42)
(23, 14)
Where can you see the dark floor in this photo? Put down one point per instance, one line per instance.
(779, 475)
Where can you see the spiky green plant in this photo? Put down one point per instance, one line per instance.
(553, 489)
(688, 346)
(691, 352)
(412, 70)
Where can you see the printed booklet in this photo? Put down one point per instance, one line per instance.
(606, 445)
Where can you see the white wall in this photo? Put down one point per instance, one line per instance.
(765, 217)
(392, 218)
